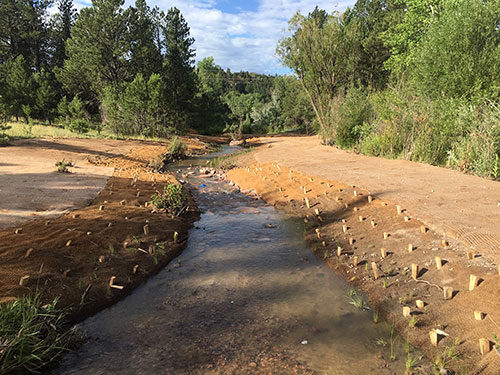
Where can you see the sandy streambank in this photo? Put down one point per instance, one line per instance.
(75, 255)
(345, 225)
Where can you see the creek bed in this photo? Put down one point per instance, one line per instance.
(245, 296)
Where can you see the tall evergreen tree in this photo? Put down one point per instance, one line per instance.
(145, 48)
(97, 50)
(65, 20)
(178, 69)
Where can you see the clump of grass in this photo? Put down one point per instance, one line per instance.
(177, 148)
(356, 299)
(31, 335)
(173, 199)
(413, 321)
(409, 363)
(393, 342)
(62, 166)
(446, 358)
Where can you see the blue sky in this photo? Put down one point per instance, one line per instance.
(241, 34)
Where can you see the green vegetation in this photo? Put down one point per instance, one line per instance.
(446, 358)
(177, 148)
(173, 199)
(31, 335)
(356, 299)
(62, 166)
(411, 79)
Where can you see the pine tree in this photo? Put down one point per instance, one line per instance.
(178, 69)
(65, 20)
(145, 50)
(97, 50)
(18, 88)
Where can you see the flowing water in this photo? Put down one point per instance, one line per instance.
(245, 296)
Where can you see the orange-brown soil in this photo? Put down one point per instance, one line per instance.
(74, 256)
(339, 205)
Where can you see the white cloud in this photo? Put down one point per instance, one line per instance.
(243, 40)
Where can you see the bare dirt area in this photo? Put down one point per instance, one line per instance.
(454, 204)
(354, 233)
(93, 225)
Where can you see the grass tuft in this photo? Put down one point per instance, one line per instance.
(31, 335)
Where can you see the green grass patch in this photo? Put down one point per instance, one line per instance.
(32, 336)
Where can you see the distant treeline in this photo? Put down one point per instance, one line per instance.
(131, 70)
(412, 79)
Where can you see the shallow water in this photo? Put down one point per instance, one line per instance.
(245, 295)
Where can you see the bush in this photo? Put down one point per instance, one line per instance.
(79, 125)
(31, 335)
(173, 199)
(478, 150)
(177, 148)
(354, 111)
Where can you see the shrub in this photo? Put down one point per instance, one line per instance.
(79, 125)
(354, 111)
(173, 199)
(62, 166)
(31, 335)
(177, 148)
(478, 150)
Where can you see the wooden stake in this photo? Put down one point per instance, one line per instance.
(145, 228)
(498, 270)
(473, 282)
(361, 218)
(410, 248)
(423, 229)
(355, 209)
(398, 209)
(355, 261)
(134, 270)
(176, 237)
(122, 202)
(317, 232)
(23, 279)
(414, 271)
(444, 243)
(434, 338)
(478, 315)
(383, 204)
(101, 208)
(68, 243)
(375, 270)
(339, 251)
(420, 304)
(344, 228)
(19, 230)
(351, 241)
(138, 194)
(28, 252)
(439, 263)
(323, 244)
(406, 311)
(484, 346)
(372, 223)
(407, 219)
(470, 255)
(307, 202)
(370, 199)
(316, 211)
(101, 259)
(337, 199)
(355, 193)
(448, 292)
(386, 235)
(383, 252)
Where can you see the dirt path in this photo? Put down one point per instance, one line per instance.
(30, 186)
(457, 205)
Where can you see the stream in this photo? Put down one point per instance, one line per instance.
(246, 296)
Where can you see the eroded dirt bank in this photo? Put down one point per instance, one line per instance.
(74, 256)
(342, 216)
